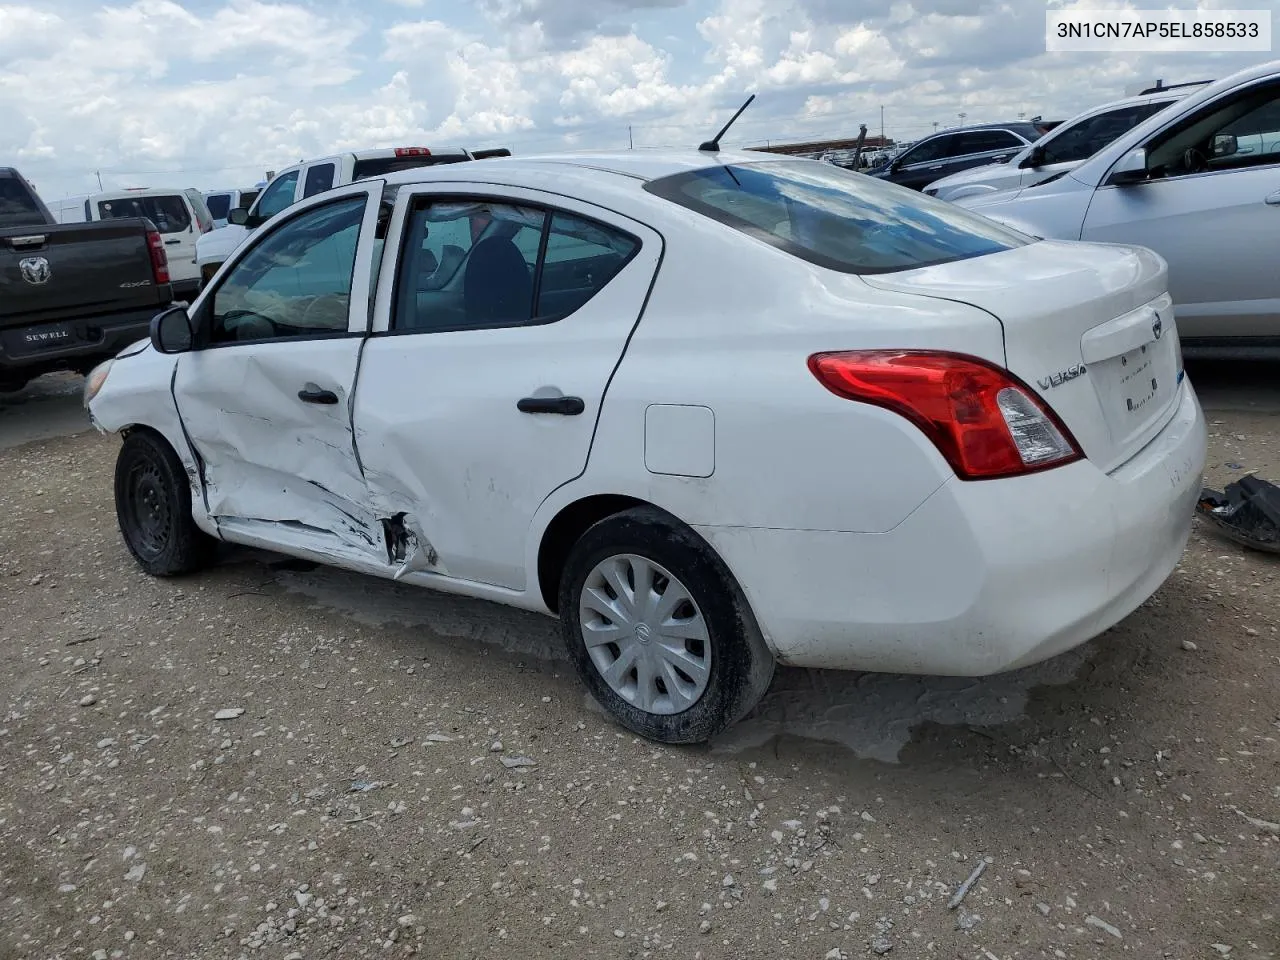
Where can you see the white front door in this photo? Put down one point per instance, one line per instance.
(496, 335)
(266, 395)
(1210, 210)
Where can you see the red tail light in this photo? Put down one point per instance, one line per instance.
(983, 420)
(159, 259)
(412, 152)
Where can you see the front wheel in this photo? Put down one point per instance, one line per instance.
(153, 508)
(659, 631)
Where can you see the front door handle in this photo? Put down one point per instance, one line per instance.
(564, 406)
(313, 394)
(1273, 199)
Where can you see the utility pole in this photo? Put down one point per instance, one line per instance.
(98, 174)
(882, 124)
(631, 144)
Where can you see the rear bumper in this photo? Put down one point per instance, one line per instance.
(95, 338)
(983, 577)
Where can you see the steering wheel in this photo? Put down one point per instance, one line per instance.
(329, 309)
(247, 325)
(1194, 161)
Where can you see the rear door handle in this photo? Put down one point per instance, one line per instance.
(564, 406)
(1273, 199)
(313, 394)
(172, 243)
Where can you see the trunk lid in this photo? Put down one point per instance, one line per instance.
(1088, 327)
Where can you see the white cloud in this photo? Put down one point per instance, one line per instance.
(205, 91)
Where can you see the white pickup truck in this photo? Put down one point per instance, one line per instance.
(316, 176)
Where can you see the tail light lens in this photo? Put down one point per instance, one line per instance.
(159, 259)
(412, 152)
(983, 420)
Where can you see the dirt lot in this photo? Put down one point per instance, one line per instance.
(368, 796)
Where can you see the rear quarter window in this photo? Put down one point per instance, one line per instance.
(168, 213)
(836, 218)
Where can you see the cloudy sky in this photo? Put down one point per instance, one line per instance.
(214, 92)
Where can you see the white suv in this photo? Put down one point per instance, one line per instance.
(304, 180)
(1063, 148)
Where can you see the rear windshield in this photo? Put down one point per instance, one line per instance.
(169, 214)
(385, 165)
(18, 208)
(836, 218)
(219, 205)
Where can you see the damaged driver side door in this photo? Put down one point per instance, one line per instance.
(265, 396)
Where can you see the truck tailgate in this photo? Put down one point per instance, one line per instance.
(76, 271)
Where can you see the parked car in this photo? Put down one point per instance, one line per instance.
(1199, 183)
(316, 176)
(951, 151)
(180, 215)
(712, 411)
(72, 295)
(221, 202)
(1064, 148)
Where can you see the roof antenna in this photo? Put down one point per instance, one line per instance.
(713, 145)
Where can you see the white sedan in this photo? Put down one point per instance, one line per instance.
(715, 411)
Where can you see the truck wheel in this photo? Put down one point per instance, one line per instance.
(658, 629)
(153, 508)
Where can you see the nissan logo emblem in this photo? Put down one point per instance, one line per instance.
(1157, 327)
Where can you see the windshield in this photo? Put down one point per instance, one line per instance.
(836, 218)
(18, 208)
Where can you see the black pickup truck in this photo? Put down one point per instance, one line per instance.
(71, 295)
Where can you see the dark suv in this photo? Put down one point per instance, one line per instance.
(951, 151)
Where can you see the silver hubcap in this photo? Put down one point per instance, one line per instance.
(645, 634)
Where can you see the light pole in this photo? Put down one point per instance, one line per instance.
(935, 126)
(882, 124)
(962, 115)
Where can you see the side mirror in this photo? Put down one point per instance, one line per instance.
(171, 331)
(239, 216)
(1224, 145)
(1131, 168)
(1033, 159)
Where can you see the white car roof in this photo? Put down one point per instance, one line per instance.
(147, 192)
(639, 165)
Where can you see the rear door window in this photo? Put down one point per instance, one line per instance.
(985, 141)
(319, 179)
(168, 213)
(471, 264)
(219, 205)
(18, 208)
(935, 148)
(834, 217)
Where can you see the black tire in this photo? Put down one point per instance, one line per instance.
(153, 508)
(741, 665)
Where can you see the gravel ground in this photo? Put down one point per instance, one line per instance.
(269, 761)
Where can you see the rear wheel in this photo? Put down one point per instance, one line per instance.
(659, 631)
(153, 508)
